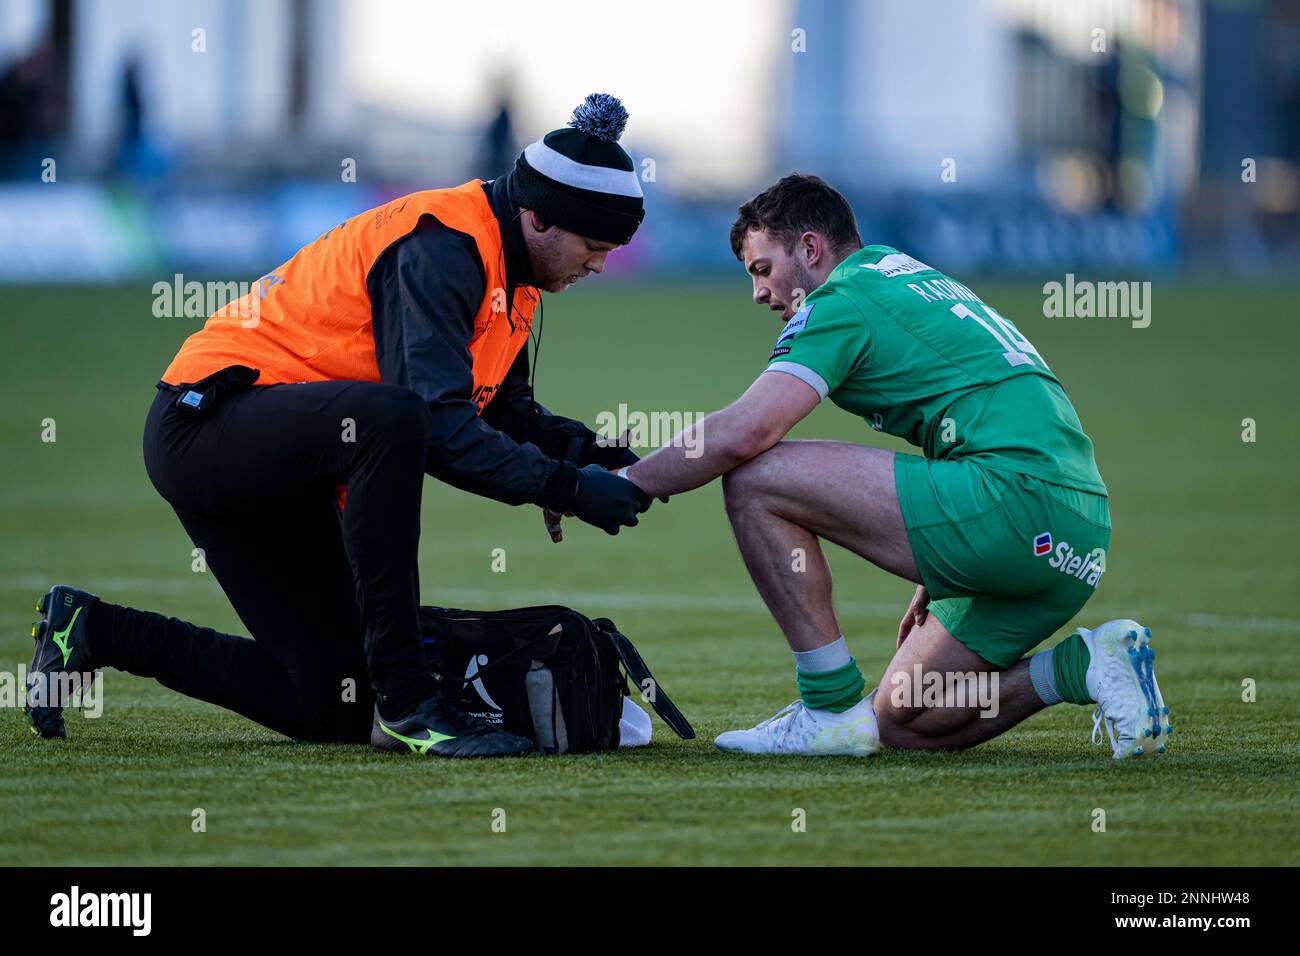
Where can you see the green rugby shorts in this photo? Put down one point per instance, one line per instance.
(1007, 558)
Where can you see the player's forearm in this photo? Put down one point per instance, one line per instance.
(695, 457)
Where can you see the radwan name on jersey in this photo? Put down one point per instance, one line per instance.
(931, 290)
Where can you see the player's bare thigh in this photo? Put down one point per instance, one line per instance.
(839, 491)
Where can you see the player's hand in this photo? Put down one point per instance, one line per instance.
(608, 501)
(552, 519)
(615, 456)
(915, 615)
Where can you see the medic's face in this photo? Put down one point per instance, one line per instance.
(560, 258)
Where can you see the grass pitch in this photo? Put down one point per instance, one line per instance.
(1203, 552)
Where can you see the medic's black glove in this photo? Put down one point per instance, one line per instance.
(612, 457)
(608, 501)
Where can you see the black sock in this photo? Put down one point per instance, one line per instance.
(99, 634)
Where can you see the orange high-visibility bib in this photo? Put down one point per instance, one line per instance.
(310, 319)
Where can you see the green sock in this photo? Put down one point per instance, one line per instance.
(1070, 660)
(836, 690)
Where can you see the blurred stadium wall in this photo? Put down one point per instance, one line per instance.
(144, 137)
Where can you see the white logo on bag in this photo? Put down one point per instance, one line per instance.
(474, 664)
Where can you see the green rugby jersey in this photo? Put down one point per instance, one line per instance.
(921, 357)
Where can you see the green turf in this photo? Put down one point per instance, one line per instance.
(1203, 551)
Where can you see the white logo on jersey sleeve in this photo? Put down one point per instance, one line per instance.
(797, 322)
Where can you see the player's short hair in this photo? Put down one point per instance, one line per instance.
(796, 204)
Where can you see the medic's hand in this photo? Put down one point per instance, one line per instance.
(608, 501)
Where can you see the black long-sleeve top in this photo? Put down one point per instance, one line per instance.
(424, 292)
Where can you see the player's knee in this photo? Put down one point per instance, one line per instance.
(894, 723)
(742, 487)
(732, 484)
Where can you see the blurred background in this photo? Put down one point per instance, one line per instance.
(1006, 142)
(998, 136)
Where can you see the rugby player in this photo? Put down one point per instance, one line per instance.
(1002, 522)
(393, 346)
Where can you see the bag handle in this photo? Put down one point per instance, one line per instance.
(636, 668)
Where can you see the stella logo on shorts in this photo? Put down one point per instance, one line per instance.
(1087, 568)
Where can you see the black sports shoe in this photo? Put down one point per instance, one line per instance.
(61, 649)
(440, 728)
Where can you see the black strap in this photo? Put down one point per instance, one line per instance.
(230, 378)
(640, 673)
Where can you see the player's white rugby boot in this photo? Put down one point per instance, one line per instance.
(1122, 680)
(797, 730)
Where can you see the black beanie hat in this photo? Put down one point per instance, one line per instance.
(579, 178)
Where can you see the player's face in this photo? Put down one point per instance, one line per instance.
(780, 278)
(561, 258)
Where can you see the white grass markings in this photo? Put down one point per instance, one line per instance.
(630, 601)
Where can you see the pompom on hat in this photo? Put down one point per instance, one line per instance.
(579, 178)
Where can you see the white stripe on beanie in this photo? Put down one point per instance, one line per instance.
(602, 179)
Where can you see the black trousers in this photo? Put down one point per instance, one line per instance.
(331, 601)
